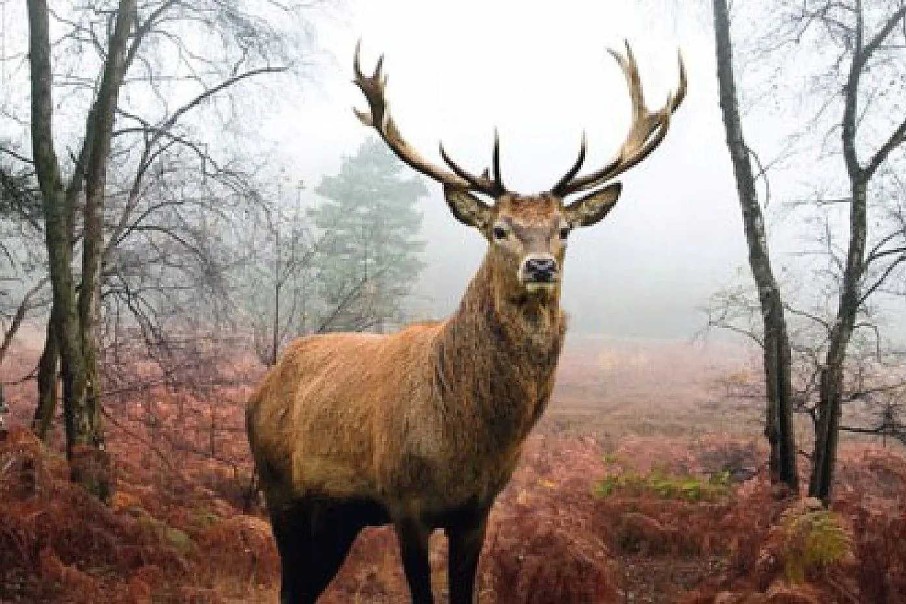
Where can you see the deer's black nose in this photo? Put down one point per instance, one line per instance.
(540, 269)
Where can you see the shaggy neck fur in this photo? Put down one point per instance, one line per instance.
(496, 357)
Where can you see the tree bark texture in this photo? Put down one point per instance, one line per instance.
(75, 318)
(830, 399)
(47, 385)
(57, 226)
(777, 354)
(100, 127)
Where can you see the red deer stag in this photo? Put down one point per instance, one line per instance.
(423, 428)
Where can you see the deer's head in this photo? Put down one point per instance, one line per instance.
(527, 233)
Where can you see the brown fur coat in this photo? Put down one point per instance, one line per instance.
(421, 421)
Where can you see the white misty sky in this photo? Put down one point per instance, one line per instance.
(541, 74)
(539, 71)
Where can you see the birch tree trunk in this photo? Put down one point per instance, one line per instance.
(777, 355)
(852, 296)
(74, 317)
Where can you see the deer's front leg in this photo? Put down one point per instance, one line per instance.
(413, 537)
(466, 537)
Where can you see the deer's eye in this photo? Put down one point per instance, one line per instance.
(500, 233)
(564, 233)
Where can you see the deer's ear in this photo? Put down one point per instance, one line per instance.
(593, 207)
(467, 208)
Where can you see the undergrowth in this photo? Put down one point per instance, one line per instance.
(665, 485)
(684, 530)
(813, 539)
(59, 544)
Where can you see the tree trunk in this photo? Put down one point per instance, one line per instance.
(75, 320)
(95, 467)
(101, 125)
(47, 385)
(57, 226)
(777, 354)
(830, 403)
(830, 398)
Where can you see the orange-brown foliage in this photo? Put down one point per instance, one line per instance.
(175, 531)
(540, 558)
(59, 544)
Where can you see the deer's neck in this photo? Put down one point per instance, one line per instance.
(496, 358)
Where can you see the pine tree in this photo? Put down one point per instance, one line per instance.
(370, 255)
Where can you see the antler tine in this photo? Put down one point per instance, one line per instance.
(356, 60)
(378, 68)
(571, 173)
(633, 80)
(480, 183)
(495, 162)
(378, 117)
(474, 181)
(647, 131)
(657, 123)
(681, 91)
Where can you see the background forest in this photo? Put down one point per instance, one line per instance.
(184, 191)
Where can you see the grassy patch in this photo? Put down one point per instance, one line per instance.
(663, 485)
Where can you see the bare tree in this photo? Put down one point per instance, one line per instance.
(277, 282)
(22, 266)
(862, 48)
(774, 341)
(75, 310)
(154, 47)
(852, 89)
(874, 386)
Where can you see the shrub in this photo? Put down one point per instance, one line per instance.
(812, 539)
(880, 543)
(538, 559)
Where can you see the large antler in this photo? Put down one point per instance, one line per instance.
(380, 119)
(646, 133)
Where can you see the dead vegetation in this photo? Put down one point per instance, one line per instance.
(686, 517)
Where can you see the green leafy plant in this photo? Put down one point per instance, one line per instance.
(813, 538)
(684, 487)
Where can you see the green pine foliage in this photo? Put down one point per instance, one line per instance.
(369, 258)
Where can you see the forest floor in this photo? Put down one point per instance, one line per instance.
(644, 483)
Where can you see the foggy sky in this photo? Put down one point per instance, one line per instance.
(541, 74)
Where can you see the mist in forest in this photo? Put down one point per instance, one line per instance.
(675, 236)
(186, 190)
(541, 75)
